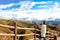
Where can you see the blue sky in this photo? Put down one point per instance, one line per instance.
(29, 9)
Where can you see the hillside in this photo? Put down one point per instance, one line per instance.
(23, 24)
(11, 23)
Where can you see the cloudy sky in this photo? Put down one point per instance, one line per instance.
(30, 9)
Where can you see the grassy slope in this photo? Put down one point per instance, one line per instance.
(10, 22)
(53, 28)
(23, 24)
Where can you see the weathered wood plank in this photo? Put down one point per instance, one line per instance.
(17, 34)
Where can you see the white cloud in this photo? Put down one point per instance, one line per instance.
(6, 5)
(43, 2)
(25, 12)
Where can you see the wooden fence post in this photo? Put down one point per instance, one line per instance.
(15, 30)
(55, 36)
(35, 32)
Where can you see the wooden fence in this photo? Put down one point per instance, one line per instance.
(15, 31)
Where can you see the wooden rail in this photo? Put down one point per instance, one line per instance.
(12, 27)
(7, 26)
(32, 34)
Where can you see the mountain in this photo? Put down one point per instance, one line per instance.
(33, 20)
(53, 21)
(48, 21)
